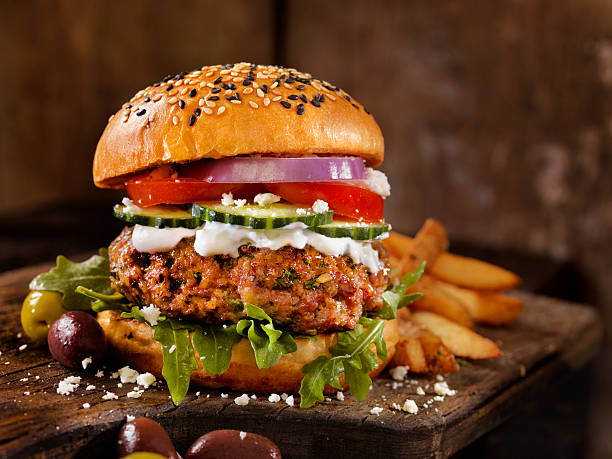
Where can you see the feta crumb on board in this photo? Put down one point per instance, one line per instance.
(86, 405)
(420, 391)
(265, 199)
(68, 385)
(243, 400)
(274, 398)
(340, 396)
(85, 363)
(441, 388)
(128, 375)
(377, 410)
(23, 347)
(399, 373)
(109, 396)
(135, 394)
(145, 379)
(289, 401)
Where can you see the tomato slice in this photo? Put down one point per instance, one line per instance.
(348, 200)
(181, 191)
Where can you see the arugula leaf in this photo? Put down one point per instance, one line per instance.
(352, 356)
(214, 346)
(134, 314)
(268, 343)
(179, 358)
(105, 302)
(396, 298)
(93, 274)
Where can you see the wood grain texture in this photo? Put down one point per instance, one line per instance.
(551, 338)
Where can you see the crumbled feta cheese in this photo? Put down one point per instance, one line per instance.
(90, 387)
(377, 182)
(128, 375)
(23, 379)
(441, 388)
(377, 410)
(145, 379)
(19, 335)
(289, 401)
(240, 202)
(284, 396)
(86, 405)
(440, 377)
(320, 206)
(130, 418)
(265, 199)
(86, 362)
(68, 385)
(23, 347)
(151, 313)
(410, 407)
(420, 391)
(99, 374)
(395, 385)
(242, 435)
(172, 349)
(243, 400)
(223, 395)
(120, 385)
(399, 373)
(115, 374)
(340, 396)
(301, 211)
(109, 396)
(135, 394)
(227, 199)
(274, 398)
(438, 398)
(27, 392)
(254, 397)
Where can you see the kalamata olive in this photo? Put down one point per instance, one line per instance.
(143, 455)
(40, 309)
(76, 336)
(230, 444)
(146, 435)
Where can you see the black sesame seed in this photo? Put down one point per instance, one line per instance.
(193, 93)
(197, 111)
(253, 67)
(224, 86)
(141, 112)
(231, 86)
(179, 76)
(264, 88)
(300, 87)
(277, 81)
(293, 97)
(366, 110)
(285, 104)
(246, 82)
(304, 98)
(192, 120)
(290, 80)
(213, 98)
(218, 80)
(181, 104)
(212, 91)
(238, 97)
(155, 85)
(355, 105)
(321, 97)
(169, 87)
(230, 66)
(283, 76)
(300, 109)
(167, 78)
(251, 75)
(229, 98)
(147, 99)
(347, 98)
(315, 103)
(129, 106)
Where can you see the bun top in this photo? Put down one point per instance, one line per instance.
(231, 110)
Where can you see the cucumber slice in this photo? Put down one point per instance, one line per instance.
(354, 230)
(258, 217)
(158, 216)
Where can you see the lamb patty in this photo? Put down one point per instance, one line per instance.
(303, 290)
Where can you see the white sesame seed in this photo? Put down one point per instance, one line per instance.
(151, 117)
(253, 104)
(234, 73)
(288, 86)
(172, 100)
(201, 102)
(203, 84)
(330, 96)
(276, 99)
(274, 85)
(210, 103)
(23, 347)
(178, 83)
(260, 93)
(156, 98)
(175, 120)
(234, 101)
(184, 91)
(224, 72)
(247, 91)
(227, 92)
(210, 85)
(207, 110)
(221, 110)
(173, 92)
(277, 92)
(266, 102)
(255, 85)
(110, 118)
(208, 74)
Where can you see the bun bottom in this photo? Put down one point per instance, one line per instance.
(132, 342)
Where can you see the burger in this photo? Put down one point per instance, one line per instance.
(252, 255)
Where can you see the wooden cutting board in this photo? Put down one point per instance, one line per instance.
(551, 338)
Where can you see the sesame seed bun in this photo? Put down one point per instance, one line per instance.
(242, 109)
(132, 342)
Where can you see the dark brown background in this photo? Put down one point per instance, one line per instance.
(497, 119)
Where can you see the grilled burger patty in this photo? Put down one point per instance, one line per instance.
(303, 290)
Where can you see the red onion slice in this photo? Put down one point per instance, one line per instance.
(273, 170)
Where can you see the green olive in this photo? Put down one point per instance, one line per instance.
(143, 455)
(40, 309)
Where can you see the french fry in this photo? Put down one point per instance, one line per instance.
(491, 308)
(472, 273)
(422, 351)
(461, 341)
(439, 301)
(426, 246)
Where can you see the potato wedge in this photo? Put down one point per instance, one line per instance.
(472, 273)
(422, 351)
(461, 341)
(437, 300)
(491, 308)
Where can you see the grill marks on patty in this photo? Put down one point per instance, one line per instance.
(303, 290)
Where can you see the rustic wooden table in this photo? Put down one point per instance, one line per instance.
(551, 338)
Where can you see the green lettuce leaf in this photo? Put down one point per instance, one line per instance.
(179, 357)
(93, 274)
(352, 356)
(268, 343)
(396, 298)
(214, 345)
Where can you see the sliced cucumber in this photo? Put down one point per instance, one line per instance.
(158, 216)
(258, 217)
(354, 230)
